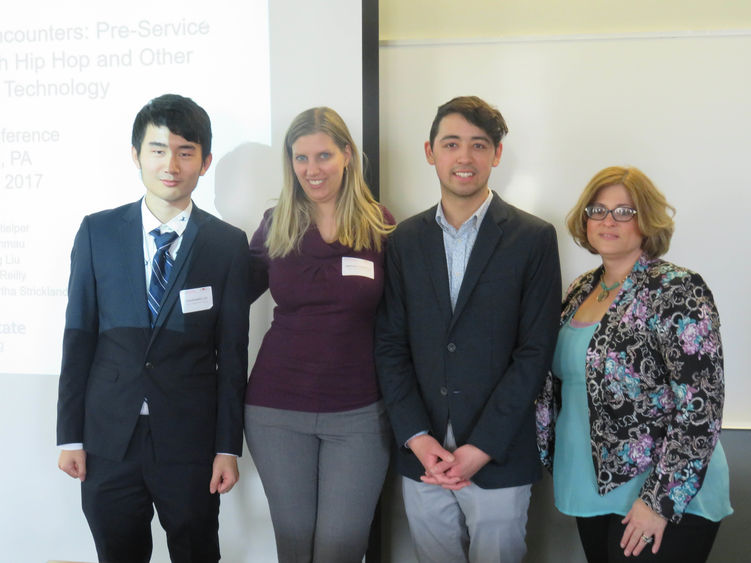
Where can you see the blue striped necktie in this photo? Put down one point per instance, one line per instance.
(161, 266)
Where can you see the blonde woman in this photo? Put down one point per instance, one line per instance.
(315, 423)
(633, 407)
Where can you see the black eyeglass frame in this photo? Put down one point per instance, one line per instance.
(629, 216)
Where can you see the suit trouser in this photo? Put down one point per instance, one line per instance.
(119, 497)
(322, 474)
(471, 524)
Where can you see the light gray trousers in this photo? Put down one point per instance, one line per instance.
(322, 474)
(469, 525)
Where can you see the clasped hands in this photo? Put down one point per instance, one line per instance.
(449, 470)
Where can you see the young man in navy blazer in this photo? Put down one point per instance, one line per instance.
(464, 339)
(151, 395)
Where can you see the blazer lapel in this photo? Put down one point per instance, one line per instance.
(131, 236)
(431, 240)
(487, 239)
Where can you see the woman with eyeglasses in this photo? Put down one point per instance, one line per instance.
(630, 416)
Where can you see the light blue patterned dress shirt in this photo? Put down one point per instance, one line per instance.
(458, 244)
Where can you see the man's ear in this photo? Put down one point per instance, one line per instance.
(134, 154)
(497, 157)
(429, 153)
(206, 163)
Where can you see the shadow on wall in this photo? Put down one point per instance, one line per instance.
(247, 180)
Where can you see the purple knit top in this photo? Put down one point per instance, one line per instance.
(318, 354)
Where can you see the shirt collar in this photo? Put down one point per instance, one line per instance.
(475, 219)
(177, 223)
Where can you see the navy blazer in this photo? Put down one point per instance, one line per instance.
(482, 365)
(192, 368)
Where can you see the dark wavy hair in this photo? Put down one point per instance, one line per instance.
(475, 110)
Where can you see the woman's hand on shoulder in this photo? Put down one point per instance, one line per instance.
(641, 521)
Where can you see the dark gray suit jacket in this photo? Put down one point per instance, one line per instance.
(191, 367)
(482, 365)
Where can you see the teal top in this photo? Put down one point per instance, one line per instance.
(573, 470)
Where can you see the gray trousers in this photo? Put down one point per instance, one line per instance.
(472, 524)
(322, 474)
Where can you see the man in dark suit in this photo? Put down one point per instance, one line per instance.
(155, 351)
(464, 339)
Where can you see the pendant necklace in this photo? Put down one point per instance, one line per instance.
(607, 288)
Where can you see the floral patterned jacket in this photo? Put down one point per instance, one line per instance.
(655, 384)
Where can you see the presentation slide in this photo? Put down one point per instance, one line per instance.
(72, 78)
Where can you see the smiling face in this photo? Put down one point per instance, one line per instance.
(319, 166)
(463, 155)
(170, 167)
(610, 238)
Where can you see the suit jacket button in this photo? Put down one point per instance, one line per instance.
(444, 391)
(149, 365)
(451, 347)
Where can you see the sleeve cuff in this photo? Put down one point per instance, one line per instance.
(71, 446)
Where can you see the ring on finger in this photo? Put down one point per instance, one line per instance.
(646, 539)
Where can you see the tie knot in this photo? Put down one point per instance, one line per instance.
(163, 239)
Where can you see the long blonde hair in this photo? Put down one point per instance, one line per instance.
(360, 223)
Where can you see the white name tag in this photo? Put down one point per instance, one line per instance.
(198, 299)
(357, 267)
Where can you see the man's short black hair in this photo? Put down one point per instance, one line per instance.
(181, 115)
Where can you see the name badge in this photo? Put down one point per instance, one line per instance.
(198, 299)
(357, 267)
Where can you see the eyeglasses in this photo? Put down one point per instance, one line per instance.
(620, 214)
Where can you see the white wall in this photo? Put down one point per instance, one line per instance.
(448, 19)
(420, 70)
(674, 106)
